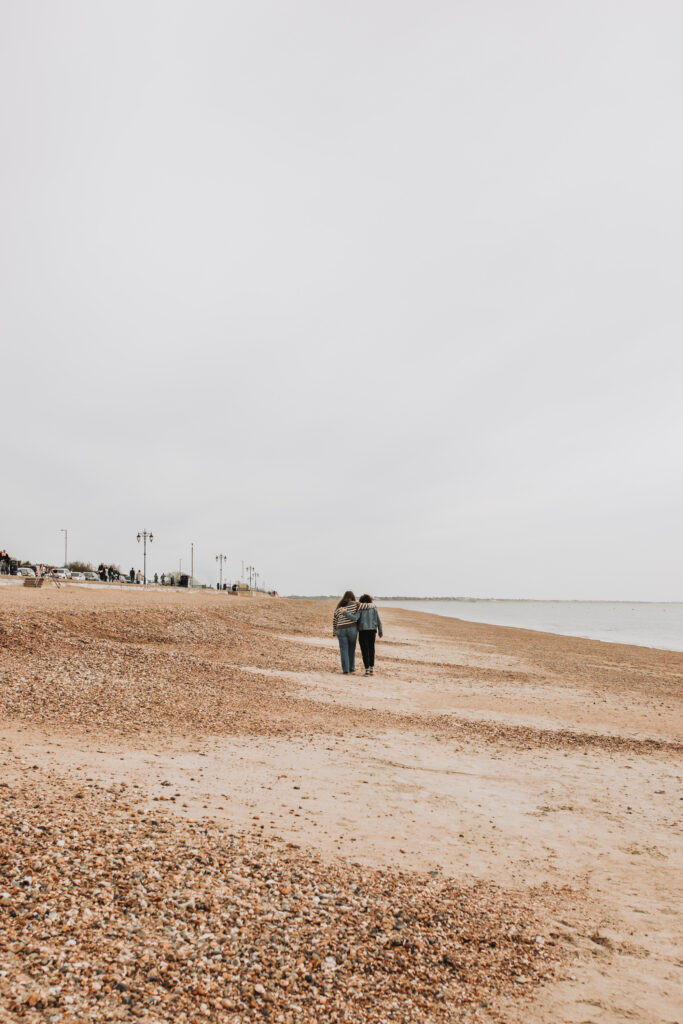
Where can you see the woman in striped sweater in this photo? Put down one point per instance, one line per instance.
(344, 627)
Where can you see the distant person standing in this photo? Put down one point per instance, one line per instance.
(138, 578)
(344, 627)
(131, 575)
(369, 627)
(163, 578)
(156, 577)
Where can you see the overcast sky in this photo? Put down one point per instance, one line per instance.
(381, 294)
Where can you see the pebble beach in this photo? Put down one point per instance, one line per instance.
(202, 819)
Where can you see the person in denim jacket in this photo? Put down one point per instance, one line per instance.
(369, 626)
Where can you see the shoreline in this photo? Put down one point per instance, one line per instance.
(509, 600)
(520, 767)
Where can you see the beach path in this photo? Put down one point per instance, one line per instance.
(546, 766)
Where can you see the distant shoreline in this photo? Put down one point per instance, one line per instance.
(517, 600)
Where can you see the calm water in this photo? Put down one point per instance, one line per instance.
(645, 624)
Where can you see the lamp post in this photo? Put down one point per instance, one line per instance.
(221, 559)
(65, 536)
(250, 571)
(144, 537)
(192, 564)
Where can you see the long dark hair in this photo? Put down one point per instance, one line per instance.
(348, 597)
(365, 599)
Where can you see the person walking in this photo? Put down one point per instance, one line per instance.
(346, 631)
(369, 627)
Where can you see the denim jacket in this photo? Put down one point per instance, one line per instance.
(369, 618)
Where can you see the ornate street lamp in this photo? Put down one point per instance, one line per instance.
(144, 537)
(220, 559)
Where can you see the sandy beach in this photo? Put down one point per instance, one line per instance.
(203, 819)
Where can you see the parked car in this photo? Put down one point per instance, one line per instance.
(77, 575)
(25, 570)
(90, 576)
(61, 574)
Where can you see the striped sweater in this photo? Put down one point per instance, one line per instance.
(345, 617)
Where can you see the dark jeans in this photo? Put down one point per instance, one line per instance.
(367, 646)
(347, 647)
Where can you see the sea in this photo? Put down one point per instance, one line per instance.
(642, 623)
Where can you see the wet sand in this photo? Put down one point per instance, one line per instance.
(546, 767)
